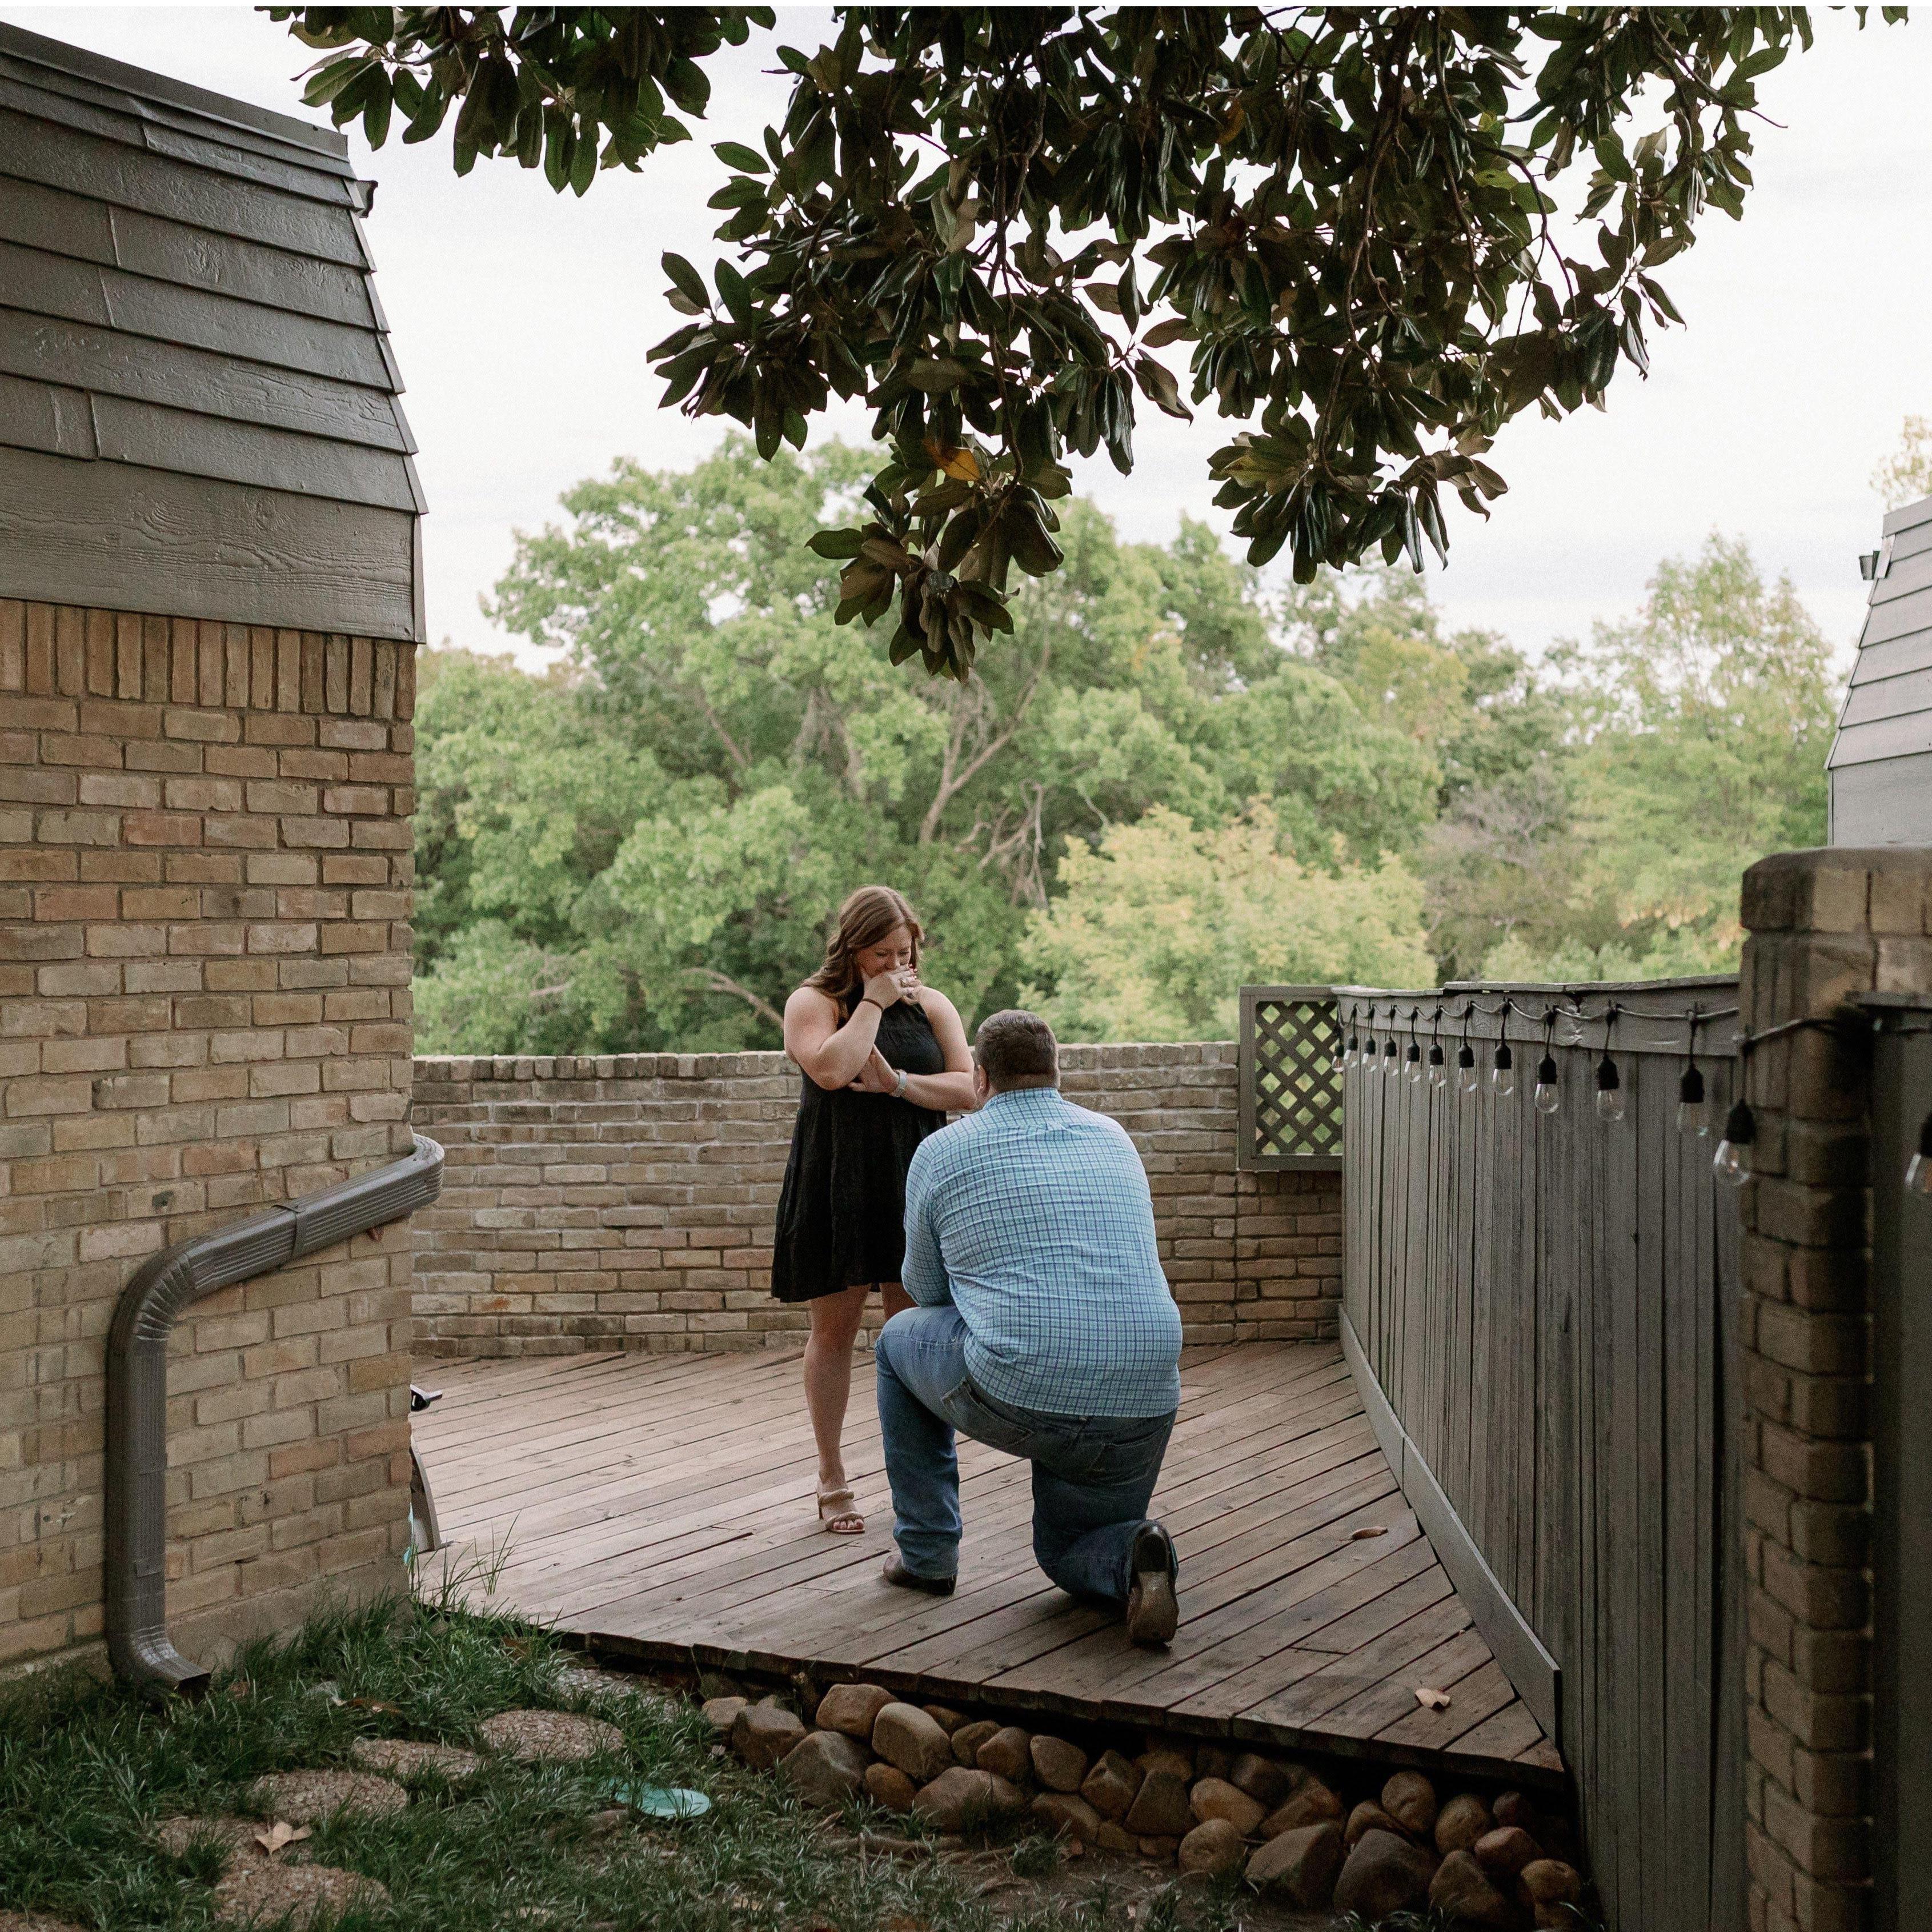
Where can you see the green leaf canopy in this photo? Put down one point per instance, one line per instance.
(984, 222)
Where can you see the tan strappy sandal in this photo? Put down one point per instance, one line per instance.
(837, 1512)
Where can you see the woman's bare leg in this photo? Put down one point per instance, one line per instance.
(828, 1376)
(895, 1298)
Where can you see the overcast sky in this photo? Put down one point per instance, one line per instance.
(520, 320)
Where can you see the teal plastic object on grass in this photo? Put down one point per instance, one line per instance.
(658, 1801)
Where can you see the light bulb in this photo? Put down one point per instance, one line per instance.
(1353, 1052)
(1414, 1058)
(1732, 1163)
(1609, 1090)
(1391, 1063)
(1502, 1072)
(1369, 1059)
(1549, 1097)
(1918, 1168)
(1438, 1071)
(1693, 1117)
(1467, 1078)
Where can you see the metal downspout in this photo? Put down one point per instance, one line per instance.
(136, 1470)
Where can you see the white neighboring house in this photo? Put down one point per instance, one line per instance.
(1881, 761)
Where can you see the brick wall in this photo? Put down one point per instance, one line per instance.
(1824, 926)
(628, 1202)
(205, 878)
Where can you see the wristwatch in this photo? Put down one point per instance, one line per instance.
(898, 1090)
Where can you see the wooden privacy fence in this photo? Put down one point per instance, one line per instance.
(1540, 1307)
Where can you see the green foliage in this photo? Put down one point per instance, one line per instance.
(987, 222)
(1905, 475)
(1155, 932)
(563, 89)
(1697, 742)
(1170, 782)
(639, 850)
(88, 1769)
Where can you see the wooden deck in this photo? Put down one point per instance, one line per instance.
(660, 1506)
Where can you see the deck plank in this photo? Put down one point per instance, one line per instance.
(662, 1504)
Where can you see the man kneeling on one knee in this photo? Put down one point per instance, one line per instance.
(1044, 1328)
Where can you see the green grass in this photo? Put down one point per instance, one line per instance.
(88, 1769)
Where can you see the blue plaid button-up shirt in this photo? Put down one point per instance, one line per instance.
(1033, 1218)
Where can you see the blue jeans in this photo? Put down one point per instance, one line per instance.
(1093, 1475)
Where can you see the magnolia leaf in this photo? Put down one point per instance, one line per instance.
(1158, 385)
(690, 283)
(961, 463)
(836, 543)
(936, 374)
(281, 1834)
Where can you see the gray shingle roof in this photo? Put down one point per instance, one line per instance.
(1881, 761)
(199, 410)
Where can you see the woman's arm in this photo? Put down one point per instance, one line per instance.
(951, 1092)
(831, 1055)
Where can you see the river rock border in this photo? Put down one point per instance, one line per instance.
(1306, 1837)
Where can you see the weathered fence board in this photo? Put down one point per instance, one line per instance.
(1541, 1301)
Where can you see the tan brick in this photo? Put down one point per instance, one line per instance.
(150, 976)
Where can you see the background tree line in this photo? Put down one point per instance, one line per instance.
(1173, 780)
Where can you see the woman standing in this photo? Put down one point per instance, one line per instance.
(885, 1060)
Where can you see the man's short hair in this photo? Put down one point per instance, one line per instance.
(1017, 1049)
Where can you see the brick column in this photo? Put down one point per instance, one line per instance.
(1824, 926)
(205, 882)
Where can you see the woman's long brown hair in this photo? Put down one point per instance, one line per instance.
(867, 916)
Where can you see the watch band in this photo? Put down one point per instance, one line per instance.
(898, 1091)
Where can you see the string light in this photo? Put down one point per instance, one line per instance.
(1609, 1090)
(1354, 1050)
(1502, 1068)
(1610, 1082)
(1693, 1117)
(1918, 1168)
(1732, 1164)
(1549, 1096)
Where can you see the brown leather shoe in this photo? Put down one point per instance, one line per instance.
(896, 1572)
(1153, 1614)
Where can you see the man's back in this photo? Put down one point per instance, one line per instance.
(1032, 1216)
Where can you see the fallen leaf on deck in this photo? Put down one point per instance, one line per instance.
(281, 1833)
(1363, 1535)
(1432, 1700)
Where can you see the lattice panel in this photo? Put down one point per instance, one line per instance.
(1291, 1093)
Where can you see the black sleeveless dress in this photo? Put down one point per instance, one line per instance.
(841, 1211)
